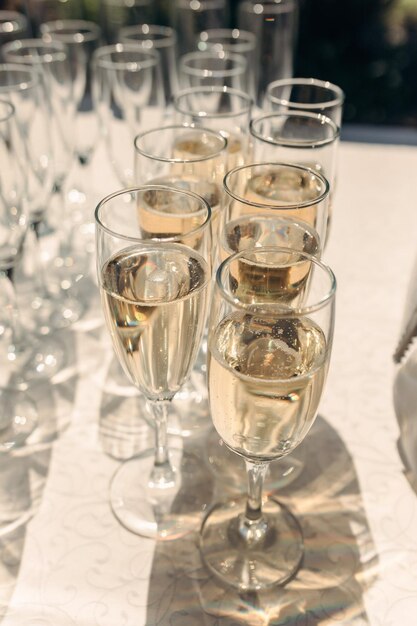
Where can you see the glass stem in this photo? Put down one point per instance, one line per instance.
(62, 208)
(15, 323)
(256, 473)
(40, 279)
(252, 527)
(162, 474)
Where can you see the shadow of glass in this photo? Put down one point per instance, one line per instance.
(339, 561)
(23, 475)
(125, 423)
(405, 406)
(24, 469)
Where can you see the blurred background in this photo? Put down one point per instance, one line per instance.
(367, 47)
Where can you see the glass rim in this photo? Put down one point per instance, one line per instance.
(238, 60)
(33, 81)
(143, 188)
(197, 159)
(296, 143)
(284, 6)
(10, 113)
(168, 35)
(118, 3)
(212, 4)
(244, 97)
(12, 47)
(338, 99)
(55, 28)
(294, 166)
(100, 54)
(7, 16)
(269, 308)
(245, 44)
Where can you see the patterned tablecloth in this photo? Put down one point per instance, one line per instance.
(73, 564)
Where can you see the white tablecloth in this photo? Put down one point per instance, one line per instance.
(73, 564)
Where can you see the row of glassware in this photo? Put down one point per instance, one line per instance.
(263, 33)
(221, 184)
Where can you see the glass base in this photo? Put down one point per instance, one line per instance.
(163, 513)
(189, 410)
(67, 312)
(230, 467)
(38, 360)
(262, 563)
(18, 419)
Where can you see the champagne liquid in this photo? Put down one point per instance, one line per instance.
(286, 282)
(154, 224)
(265, 381)
(196, 144)
(236, 151)
(155, 307)
(163, 214)
(198, 156)
(252, 231)
(286, 187)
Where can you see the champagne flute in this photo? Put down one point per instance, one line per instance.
(40, 11)
(213, 68)
(51, 61)
(267, 365)
(184, 157)
(163, 39)
(236, 41)
(154, 270)
(288, 210)
(305, 94)
(81, 38)
(274, 23)
(19, 415)
(129, 97)
(260, 195)
(21, 85)
(191, 17)
(301, 137)
(193, 159)
(117, 14)
(13, 25)
(220, 108)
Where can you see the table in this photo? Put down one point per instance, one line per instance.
(72, 564)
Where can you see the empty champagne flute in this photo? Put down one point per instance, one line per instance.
(40, 11)
(116, 14)
(154, 272)
(305, 94)
(268, 359)
(274, 23)
(21, 85)
(13, 25)
(129, 97)
(19, 416)
(213, 68)
(191, 17)
(235, 41)
(81, 38)
(51, 61)
(163, 39)
(223, 109)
